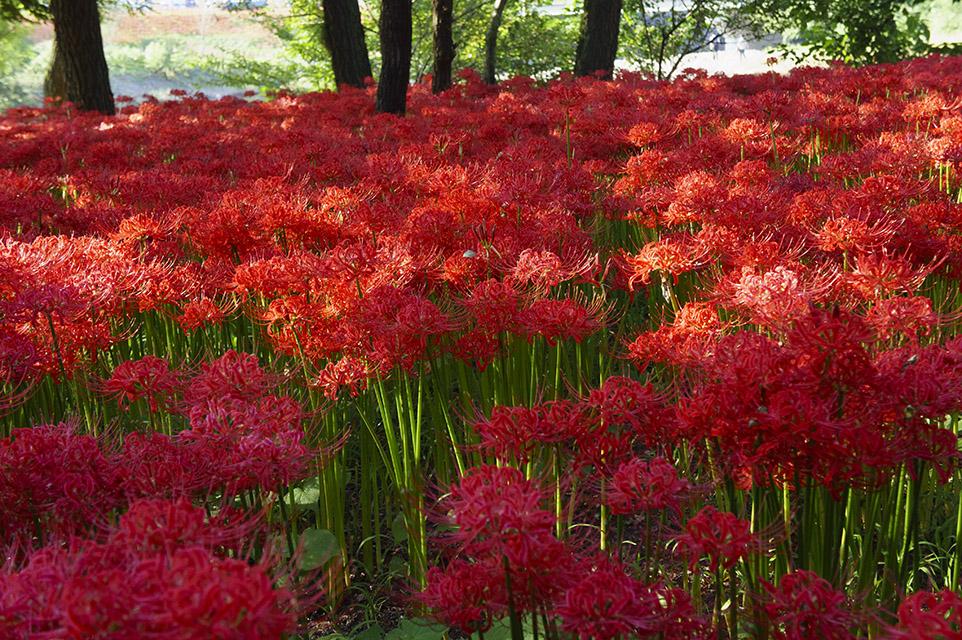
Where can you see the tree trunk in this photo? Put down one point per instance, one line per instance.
(491, 43)
(55, 82)
(344, 38)
(80, 46)
(598, 41)
(443, 17)
(395, 28)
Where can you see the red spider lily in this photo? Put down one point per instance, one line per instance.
(494, 504)
(606, 603)
(670, 256)
(257, 443)
(255, 438)
(623, 402)
(779, 297)
(466, 595)
(804, 605)
(155, 576)
(561, 319)
(645, 485)
(234, 375)
(55, 482)
(158, 465)
(164, 525)
(911, 317)
(507, 539)
(477, 348)
(686, 341)
(494, 306)
(390, 328)
(644, 134)
(515, 433)
(832, 345)
(852, 234)
(596, 433)
(816, 408)
(198, 313)
(150, 378)
(544, 269)
(348, 372)
(803, 229)
(929, 616)
(877, 275)
(720, 535)
(696, 196)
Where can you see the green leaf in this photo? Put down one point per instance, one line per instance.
(501, 630)
(416, 630)
(399, 529)
(318, 546)
(374, 632)
(307, 494)
(397, 566)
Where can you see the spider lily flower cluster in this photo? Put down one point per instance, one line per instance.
(591, 359)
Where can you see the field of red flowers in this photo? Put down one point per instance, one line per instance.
(584, 360)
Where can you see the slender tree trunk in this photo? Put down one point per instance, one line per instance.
(491, 43)
(395, 28)
(443, 19)
(344, 38)
(598, 41)
(80, 46)
(55, 82)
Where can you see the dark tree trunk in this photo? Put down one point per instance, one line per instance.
(443, 44)
(395, 28)
(491, 43)
(344, 38)
(598, 41)
(55, 82)
(80, 46)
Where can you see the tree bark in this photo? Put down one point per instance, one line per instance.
(395, 29)
(598, 41)
(443, 18)
(80, 47)
(344, 38)
(491, 43)
(55, 82)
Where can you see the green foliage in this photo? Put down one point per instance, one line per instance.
(157, 56)
(16, 10)
(15, 53)
(197, 61)
(304, 66)
(302, 34)
(530, 43)
(857, 32)
(318, 547)
(534, 44)
(236, 69)
(416, 630)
